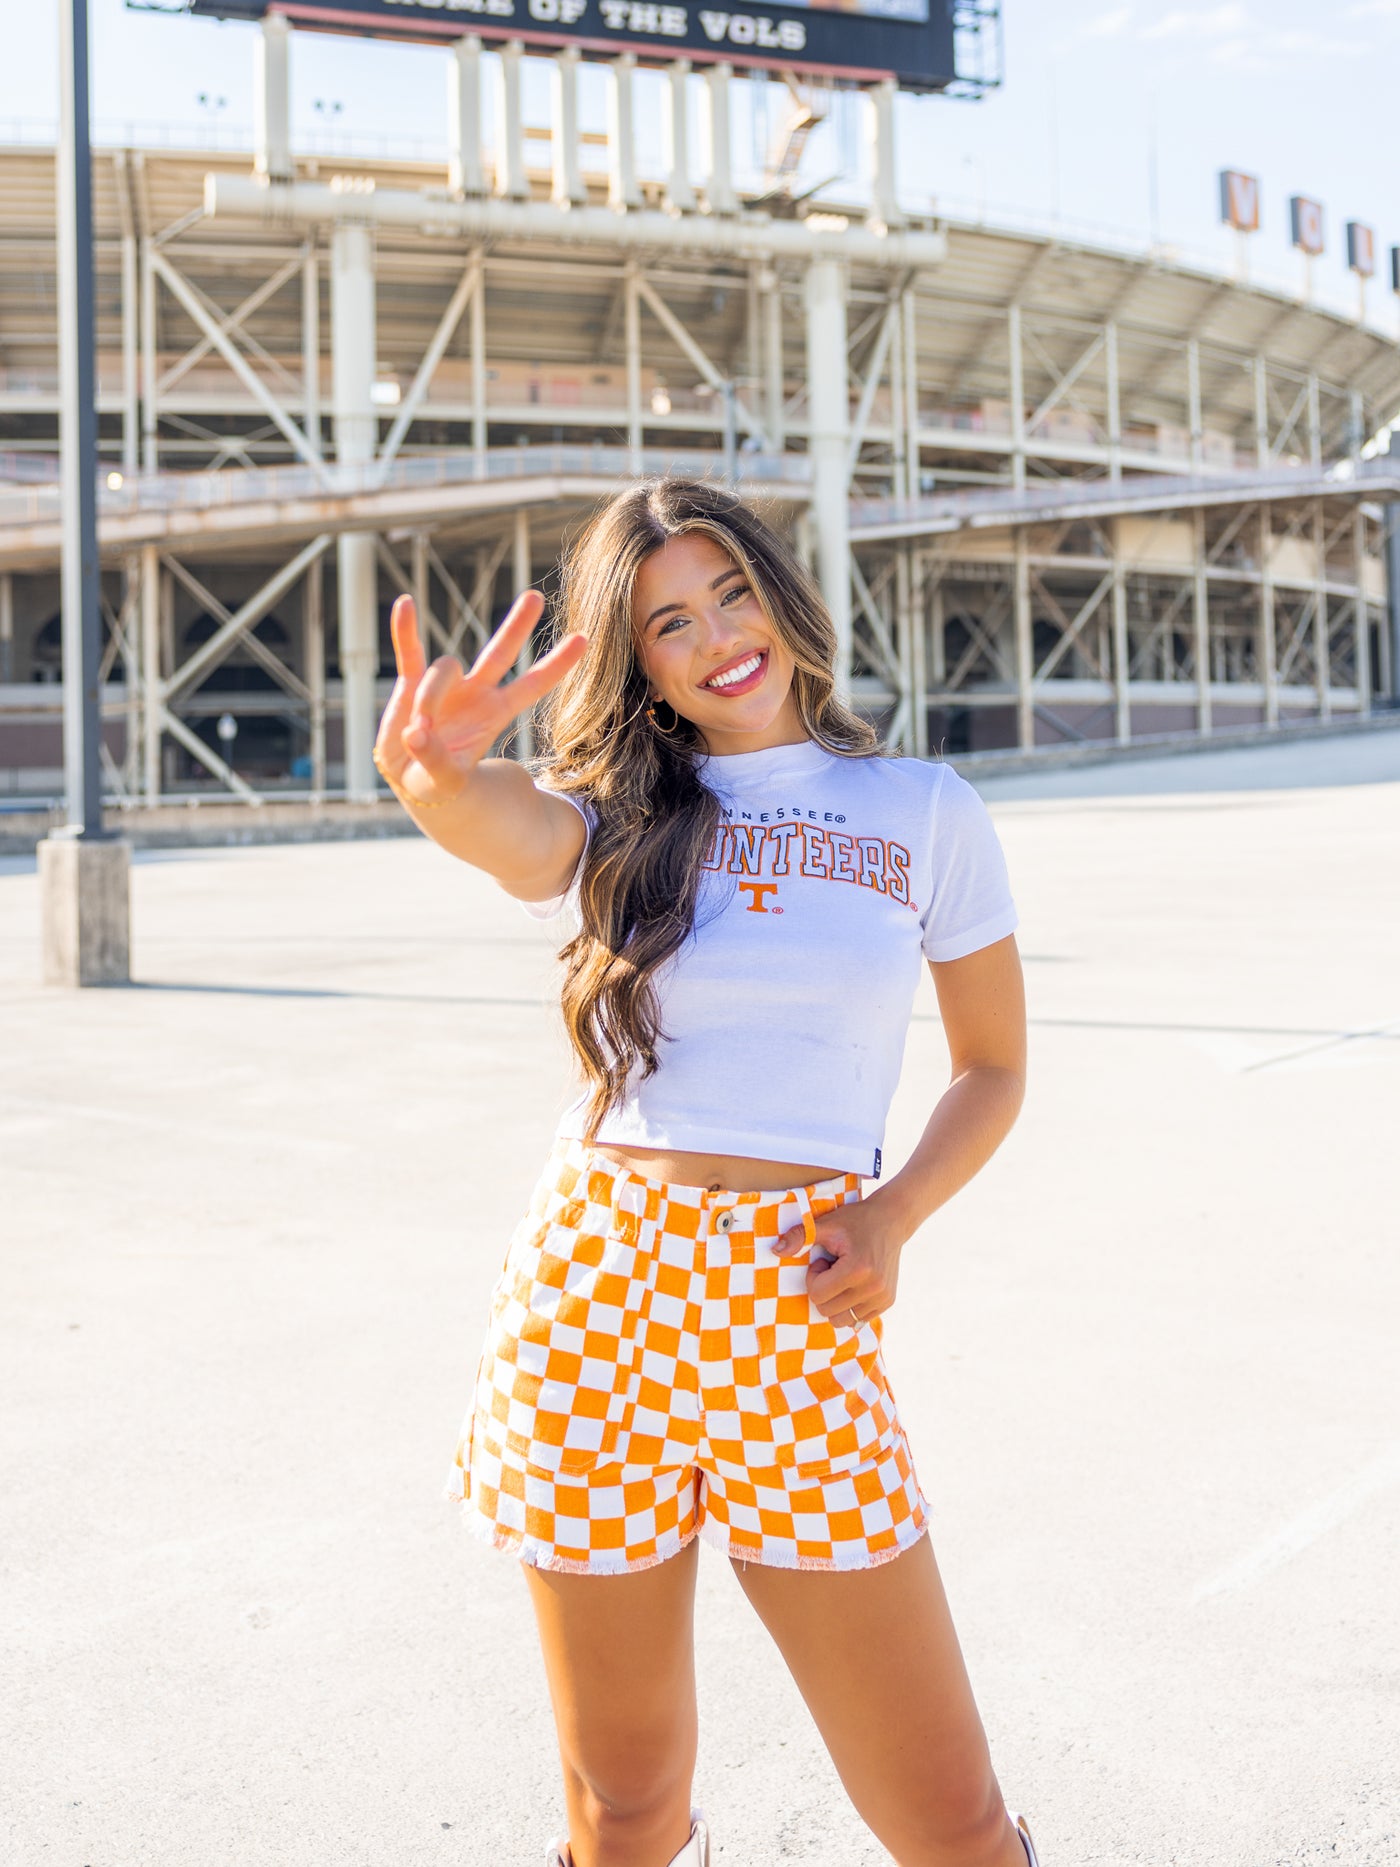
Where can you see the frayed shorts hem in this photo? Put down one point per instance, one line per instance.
(486, 1530)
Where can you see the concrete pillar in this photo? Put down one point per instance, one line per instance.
(131, 356)
(771, 289)
(311, 350)
(1200, 621)
(828, 440)
(510, 124)
(7, 627)
(1115, 418)
(150, 673)
(1122, 702)
(1314, 423)
(356, 437)
(1261, 412)
(478, 331)
(884, 200)
(675, 136)
(569, 190)
(85, 898)
(720, 197)
(520, 580)
(466, 173)
(1016, 393)
(1365, 678)
(624, 190)
(272, 121)
(1392, 593)
(632, 343)
(1322, 627)
(1024, 639)
(150, 446)
(1193, 403)
(314, 667)
(1268, 646)
(919, 668)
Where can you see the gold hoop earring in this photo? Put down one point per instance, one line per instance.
(675, 717)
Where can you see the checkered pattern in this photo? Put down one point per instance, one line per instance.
(652, 1370)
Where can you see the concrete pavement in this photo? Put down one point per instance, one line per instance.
(250, 1210)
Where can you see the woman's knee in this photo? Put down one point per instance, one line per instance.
(956, 1823)
(635, 1784)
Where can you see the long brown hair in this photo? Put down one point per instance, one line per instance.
(655, 819)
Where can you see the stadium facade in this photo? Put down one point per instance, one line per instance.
(1054, 493)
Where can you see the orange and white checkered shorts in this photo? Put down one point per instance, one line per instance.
(653, 1371)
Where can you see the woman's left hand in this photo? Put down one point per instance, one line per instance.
(854, 1272)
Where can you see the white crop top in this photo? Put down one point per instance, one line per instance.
(829, 883)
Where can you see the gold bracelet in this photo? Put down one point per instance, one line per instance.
(406, 798)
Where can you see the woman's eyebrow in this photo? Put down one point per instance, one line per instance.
(667, 608)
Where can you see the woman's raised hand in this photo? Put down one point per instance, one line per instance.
(441, 720)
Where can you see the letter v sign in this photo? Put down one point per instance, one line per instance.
(758, 890)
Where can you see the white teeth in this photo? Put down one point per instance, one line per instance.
(739, 673)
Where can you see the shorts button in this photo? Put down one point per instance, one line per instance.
(724, 1222)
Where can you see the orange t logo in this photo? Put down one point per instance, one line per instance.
(758, 890)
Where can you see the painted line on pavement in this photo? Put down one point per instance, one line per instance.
(1304, 1530)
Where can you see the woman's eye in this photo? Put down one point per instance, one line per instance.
(739, 589)
(674, 623)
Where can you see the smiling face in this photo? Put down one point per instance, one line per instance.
(706, 646)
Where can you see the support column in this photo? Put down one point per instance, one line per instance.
(1024, 639)
(675, 136)
(1115, 419)
(1193, 404)
(150, 447)
(1122, 699)
(520, 581)
(569, 190)
(919, 667)
(1200, 621)
(510, 123)
(356, 437)
(1314, 423)
(131, 670)
(313, 617)
(624, 190)
(720, 197)
(910, 364)
(1261, 412)
(1268, 646)
(1016, 391)
(478, 331)
(828, 439)
(1364, 673)
(1322, 628)
(131, 356)
(632, 339)
(272, 132)
(418, 574)
(771, 289)
(1392, 593)
(7, 627)
(311, 350)
(466, 172)
(904, 643)
(150, 673)
(884, 199)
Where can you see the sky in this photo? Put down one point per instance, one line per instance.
(1113, 121)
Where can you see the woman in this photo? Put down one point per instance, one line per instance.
(685, 1339)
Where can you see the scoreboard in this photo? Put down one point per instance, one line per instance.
(911, 41)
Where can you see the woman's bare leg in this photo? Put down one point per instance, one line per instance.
(876, 1658)
(619, 1654)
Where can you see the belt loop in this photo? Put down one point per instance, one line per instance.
(802, 1199)
(631, 1202)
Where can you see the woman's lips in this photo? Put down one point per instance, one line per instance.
(746, 683)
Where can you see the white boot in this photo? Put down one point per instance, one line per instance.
(1023, 1835)
(695, 1853)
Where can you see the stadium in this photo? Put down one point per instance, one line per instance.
(1057, 495)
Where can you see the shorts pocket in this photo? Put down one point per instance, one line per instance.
(825, 1389)
(561, 1354)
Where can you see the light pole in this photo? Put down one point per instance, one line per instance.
(83, 868)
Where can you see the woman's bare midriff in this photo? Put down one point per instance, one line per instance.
(731, 1173)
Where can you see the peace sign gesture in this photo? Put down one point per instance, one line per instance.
(441, 721)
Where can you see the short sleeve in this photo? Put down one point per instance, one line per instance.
(970, 905)
(560, 904)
